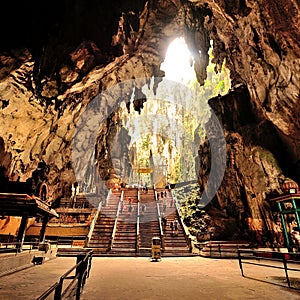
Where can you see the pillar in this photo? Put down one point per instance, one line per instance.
(287, 241)
(21, 232)
(296, 212)
(43, 229)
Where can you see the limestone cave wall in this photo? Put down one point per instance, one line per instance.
(256, 168)
(64, 54)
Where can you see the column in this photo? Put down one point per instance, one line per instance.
(287, 241)
(43, 229)
(296, 212)
(21, 232)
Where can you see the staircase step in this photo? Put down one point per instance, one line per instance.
(120, 244)
(125, 236)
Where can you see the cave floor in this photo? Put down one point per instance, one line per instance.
(140, 278)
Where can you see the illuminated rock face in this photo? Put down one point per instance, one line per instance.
(53, 67)
(256, 167)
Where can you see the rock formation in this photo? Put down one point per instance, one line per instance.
(62, 56)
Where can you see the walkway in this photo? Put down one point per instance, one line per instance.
(140, 279)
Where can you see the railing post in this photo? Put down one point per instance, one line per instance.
(81, 258)
(240, 262)
(89, 263)
(285, 270)
(58, 290)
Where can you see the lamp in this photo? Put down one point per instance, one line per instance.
(290, 187)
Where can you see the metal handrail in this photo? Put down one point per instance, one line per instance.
(161, 232)
(155, 193)
(16, 246)
(116, 221)
(185, 230)
(82, 267)
(223, 248)
(160, 227)
(137, 246)
(94, 221)
(280, 257)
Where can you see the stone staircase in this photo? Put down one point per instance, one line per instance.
(175, 245)
(130, 233)
(125, 239)
(149, 222)
(101, 238)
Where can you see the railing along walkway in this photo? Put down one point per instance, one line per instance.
(60, 290)
(289, 262)
(221, 249)
(15, 247)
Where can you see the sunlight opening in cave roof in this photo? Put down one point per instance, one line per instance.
(178, 63)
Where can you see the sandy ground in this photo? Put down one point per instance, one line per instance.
(180, 278)
(140, 278)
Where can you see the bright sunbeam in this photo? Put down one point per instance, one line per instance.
(177, 64)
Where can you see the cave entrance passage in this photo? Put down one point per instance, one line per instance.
(166, 133)
(178, 64)
(171, 121)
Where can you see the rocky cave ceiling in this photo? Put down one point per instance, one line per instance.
(56, 56)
